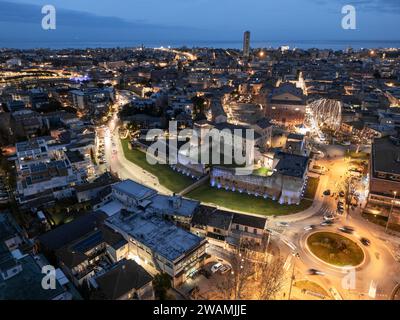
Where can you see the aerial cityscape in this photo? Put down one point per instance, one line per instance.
(199, 172)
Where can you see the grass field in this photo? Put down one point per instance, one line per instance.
(244, 202)
(167, 177)
(311, 286)
(335, 249)
(263, 172)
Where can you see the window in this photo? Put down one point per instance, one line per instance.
(246, 229)
(255, 231)
(237, 227)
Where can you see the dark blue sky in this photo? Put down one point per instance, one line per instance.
(197, 20)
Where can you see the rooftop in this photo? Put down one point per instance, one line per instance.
(210, 216)
(134, 189)
(154, 232)
(125, 277)
(67, 233)
(292, 165)
(27, 285)
(175, 205)
(250, 221)
(386, 155)
(75, 252)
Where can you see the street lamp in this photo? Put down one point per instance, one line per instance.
(291, 280)
(391, 210)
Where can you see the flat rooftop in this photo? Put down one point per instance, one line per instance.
(386, 156)
(31, 145)
(27, 285)
(134, 189)
(174, 205)
(161, 236)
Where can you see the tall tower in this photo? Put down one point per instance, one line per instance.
(246, 44)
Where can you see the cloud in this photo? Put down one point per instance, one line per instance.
(21, 21)
(378, 6)
(29, 13)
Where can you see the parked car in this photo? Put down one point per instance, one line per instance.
(327, 223)
(327, 193)
(216, 267)
(282, 224)
(309, 228)
(225, 268)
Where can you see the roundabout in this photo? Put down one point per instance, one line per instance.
(335, 250)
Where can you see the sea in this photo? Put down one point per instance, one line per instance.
(301, 44)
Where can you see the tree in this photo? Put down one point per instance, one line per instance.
(161, 284)
(269, 279)
(234, 285)
(255, 275)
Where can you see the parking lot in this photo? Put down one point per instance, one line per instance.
(204, 284)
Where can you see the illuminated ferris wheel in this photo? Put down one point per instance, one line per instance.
(325, 113)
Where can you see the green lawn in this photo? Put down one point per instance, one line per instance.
(167, 177)
(244, 202)
(264, 172)
(335, 249)
(311, 286)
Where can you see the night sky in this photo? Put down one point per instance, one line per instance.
(198, 20)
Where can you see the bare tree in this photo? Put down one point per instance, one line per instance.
(235, 284)
(254, 276)
(269, 278)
